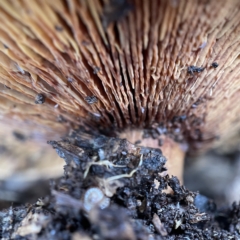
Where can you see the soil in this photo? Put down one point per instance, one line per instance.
(112, 189)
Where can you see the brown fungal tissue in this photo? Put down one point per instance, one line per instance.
(123, 64)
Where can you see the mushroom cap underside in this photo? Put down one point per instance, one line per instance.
(120, 64)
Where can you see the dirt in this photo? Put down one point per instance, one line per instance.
(112, 189)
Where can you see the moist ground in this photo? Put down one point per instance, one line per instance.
(112, 189)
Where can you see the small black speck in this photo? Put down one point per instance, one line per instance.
(160, 142)
(7, 87)
(91, 99)
(5, 46)
(183, 117)
(179, 118)
(27, 74)
(138, 142)
(199, 101)
(194, 69)
(61, 119)
(215, 64)
(70, 79)
(96, 70)
(58, 28)
(39, 99)
(19, 136)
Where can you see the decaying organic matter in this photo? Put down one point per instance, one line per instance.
(123, 198)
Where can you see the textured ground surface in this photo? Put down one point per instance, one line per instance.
(112, 189)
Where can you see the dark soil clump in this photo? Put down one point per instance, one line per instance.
(112, 189)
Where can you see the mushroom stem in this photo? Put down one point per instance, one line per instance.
(172, 150)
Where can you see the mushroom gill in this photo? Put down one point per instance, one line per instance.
(123, 65)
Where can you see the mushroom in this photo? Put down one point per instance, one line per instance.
(162, 72)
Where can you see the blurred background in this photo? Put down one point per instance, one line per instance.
(215, 175)
(27, 165)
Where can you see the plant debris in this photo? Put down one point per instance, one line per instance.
(112, 189)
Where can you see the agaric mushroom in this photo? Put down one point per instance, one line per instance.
(168, 66)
